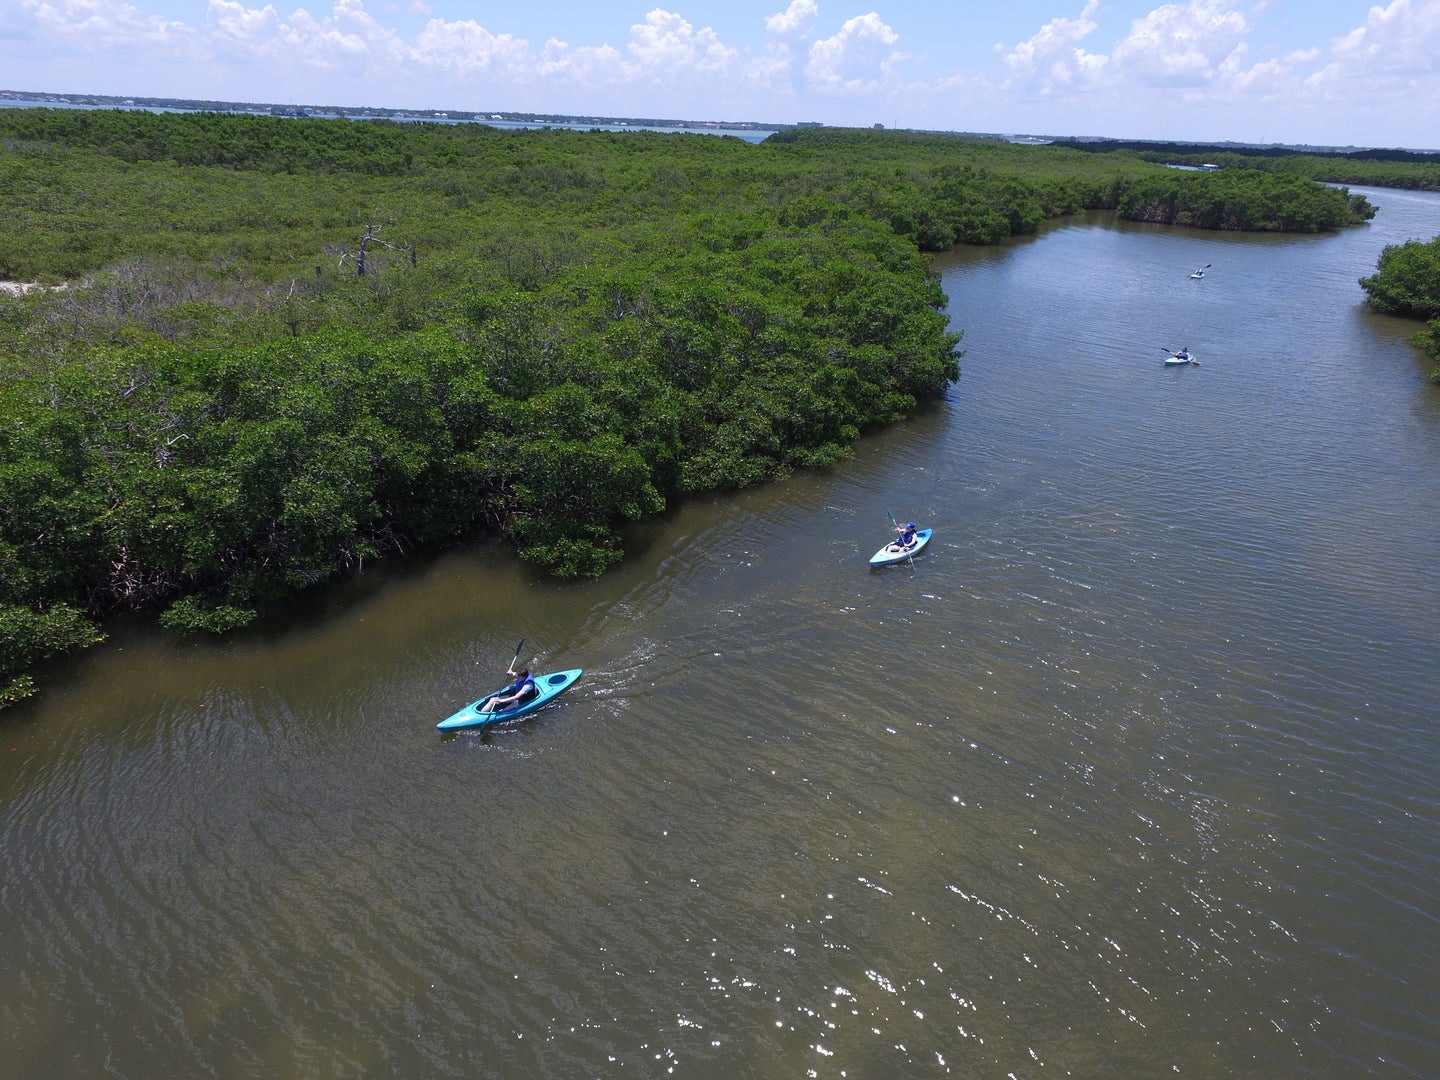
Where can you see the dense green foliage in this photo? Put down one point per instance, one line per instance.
(89, 190)
(1378, 168)
(1407, 282)
(1244, 200)
(555, 333)
(982, 191)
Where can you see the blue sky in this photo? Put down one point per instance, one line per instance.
(1287, 71)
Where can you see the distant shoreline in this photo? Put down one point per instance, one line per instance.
(504, 117)
(31, 98)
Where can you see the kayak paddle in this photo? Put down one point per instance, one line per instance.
(910, 557)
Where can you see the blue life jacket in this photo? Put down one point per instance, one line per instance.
(524, 684)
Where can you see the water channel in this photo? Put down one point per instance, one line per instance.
(1135, 772)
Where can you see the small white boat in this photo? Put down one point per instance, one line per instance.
(1181, 361)
(1201, 272)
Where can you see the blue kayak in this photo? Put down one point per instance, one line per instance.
(887, 554)
(548, 686)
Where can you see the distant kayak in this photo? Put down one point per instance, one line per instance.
(886, 555)
(1181, 361)
(548, 688)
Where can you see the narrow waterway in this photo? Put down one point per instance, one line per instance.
(1135, 772)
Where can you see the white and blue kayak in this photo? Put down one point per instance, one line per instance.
(1181, 361)
(889, 553)
(548, 688)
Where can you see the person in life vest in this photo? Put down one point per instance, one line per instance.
(523, 687)
(906, 539)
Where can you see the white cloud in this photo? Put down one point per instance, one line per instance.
(1385, 64)
(859, 59)
(1052, 59)
(98, 23)
(243, 29)
(775, 69)
(1180, 44)
(1268, 82)
(664, 50)
(795, 20)
(589, 67)
(1402, 39)
(666, 45)
(1392, 56)
(466, 48)
(348, 39)
(1218, 62)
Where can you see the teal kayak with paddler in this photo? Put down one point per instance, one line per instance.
(547, 689)
(894, 553)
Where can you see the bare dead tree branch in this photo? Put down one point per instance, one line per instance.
(370, 236)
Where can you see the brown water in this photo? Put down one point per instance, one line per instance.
(1132, 773)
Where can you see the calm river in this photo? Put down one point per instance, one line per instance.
(1134, 773)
